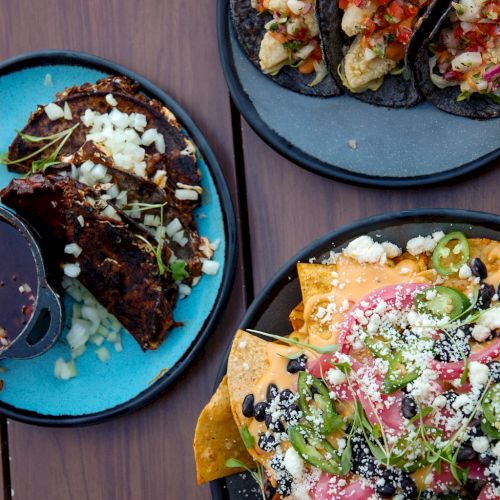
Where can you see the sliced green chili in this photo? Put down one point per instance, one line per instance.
(314, 450)
(448, 259)
(440, 301)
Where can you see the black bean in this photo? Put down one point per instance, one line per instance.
(277, 426)
(268, 420)
(478, 268)
(466, 453)
(485, 295)
(292, 413)
(248, 405)
(297, 364)
(409, 407)
(486, 459)
(474, 487)
(494, 367)
(267, 442)
(259, 411)
(452, 347)
(286, 398)
(285, 484)
(386, 490)
(450, 396)
(410, 490)
(272, 392)
(269, 491)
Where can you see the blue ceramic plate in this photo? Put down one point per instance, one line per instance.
(393, 147)
(131, 378)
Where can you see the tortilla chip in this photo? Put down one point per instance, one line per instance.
(217, 439)
(315, 279)
(297, 316)
(246, 365)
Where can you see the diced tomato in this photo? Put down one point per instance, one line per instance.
(491, 9)
(370, 27)
(260, 7)
(382, 2)
(395, 51)
(316, 54)
(358, 3)
(343, 4)
(278, 36)
(301, 34)
(396, 11)
(403, 34)
(411, 10)
(458, 31)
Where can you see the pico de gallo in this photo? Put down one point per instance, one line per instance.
(467, 53)
(291, 38)
(399, 395)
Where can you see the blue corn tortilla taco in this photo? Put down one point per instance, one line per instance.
(281, 38)
(458, 66)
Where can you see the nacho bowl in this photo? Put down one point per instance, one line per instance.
(270, 310)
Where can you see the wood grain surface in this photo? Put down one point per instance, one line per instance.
(148, 455)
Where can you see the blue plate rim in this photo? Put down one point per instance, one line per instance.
(75, 58)
(353, 229)
(289, 151)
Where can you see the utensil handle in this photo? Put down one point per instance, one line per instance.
(23, 347)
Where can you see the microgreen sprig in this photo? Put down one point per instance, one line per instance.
(258, 475)
(326, 349)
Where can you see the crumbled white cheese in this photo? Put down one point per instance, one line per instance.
(365, 250)
(496, 450)
(490, 318)
(424, 244)
(335, 376)
(480, 444)
(293, 463)
(478, 373)
(480, 333)
(465, 272)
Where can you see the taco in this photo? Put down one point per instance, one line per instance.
(458, 67)
(365, 44)
(281, 38)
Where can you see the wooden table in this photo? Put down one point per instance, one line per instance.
(280, 207)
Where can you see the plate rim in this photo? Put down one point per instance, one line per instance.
(306, 161)
(352, 229)
(45, 57)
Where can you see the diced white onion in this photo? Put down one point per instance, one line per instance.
(173, 227)
(54, 111)
(305, 51)
(369, 54)
(67, 112)
(113, 191)
(296, 6)
(467, 61)
(99, 172)
(184, 290)
(139, 122)
(151, 220)
(119, 119)
(81, 220)
(47, 81)
(186, 194)
(63, 370)
(210, 267)
(72, 270)
(73, 249)
(149, 137)
(79, 333)
(78, 351)
(110, 99)
(214, 245)
(160, 143)
(103, 354)
(86, 167)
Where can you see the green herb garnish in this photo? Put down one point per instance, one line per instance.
(248, 439)
(178, 270)
(258, 475)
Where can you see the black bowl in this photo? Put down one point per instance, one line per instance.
(46, 322)
(270, 309)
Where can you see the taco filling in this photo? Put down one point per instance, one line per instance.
(382, 31)
(291, 38)
(467, 53)
(389, 385)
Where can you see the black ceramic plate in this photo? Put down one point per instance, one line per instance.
(269, 311)
(131, 378)
(349, 140)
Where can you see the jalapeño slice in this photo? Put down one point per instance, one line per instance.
(491, 407)
(397, 376)
(316, 405)
(440, 301)
(451, 253)
(314, 450)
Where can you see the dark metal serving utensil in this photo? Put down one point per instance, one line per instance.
(45, 324)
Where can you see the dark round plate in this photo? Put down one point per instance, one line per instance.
(31, 392)
(394, 147)
(270, 309)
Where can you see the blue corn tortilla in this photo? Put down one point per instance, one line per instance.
(250, 30)
(478, 107)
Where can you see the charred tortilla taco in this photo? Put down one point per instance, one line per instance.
(281, 37)
(365, 43)
(458, 68)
